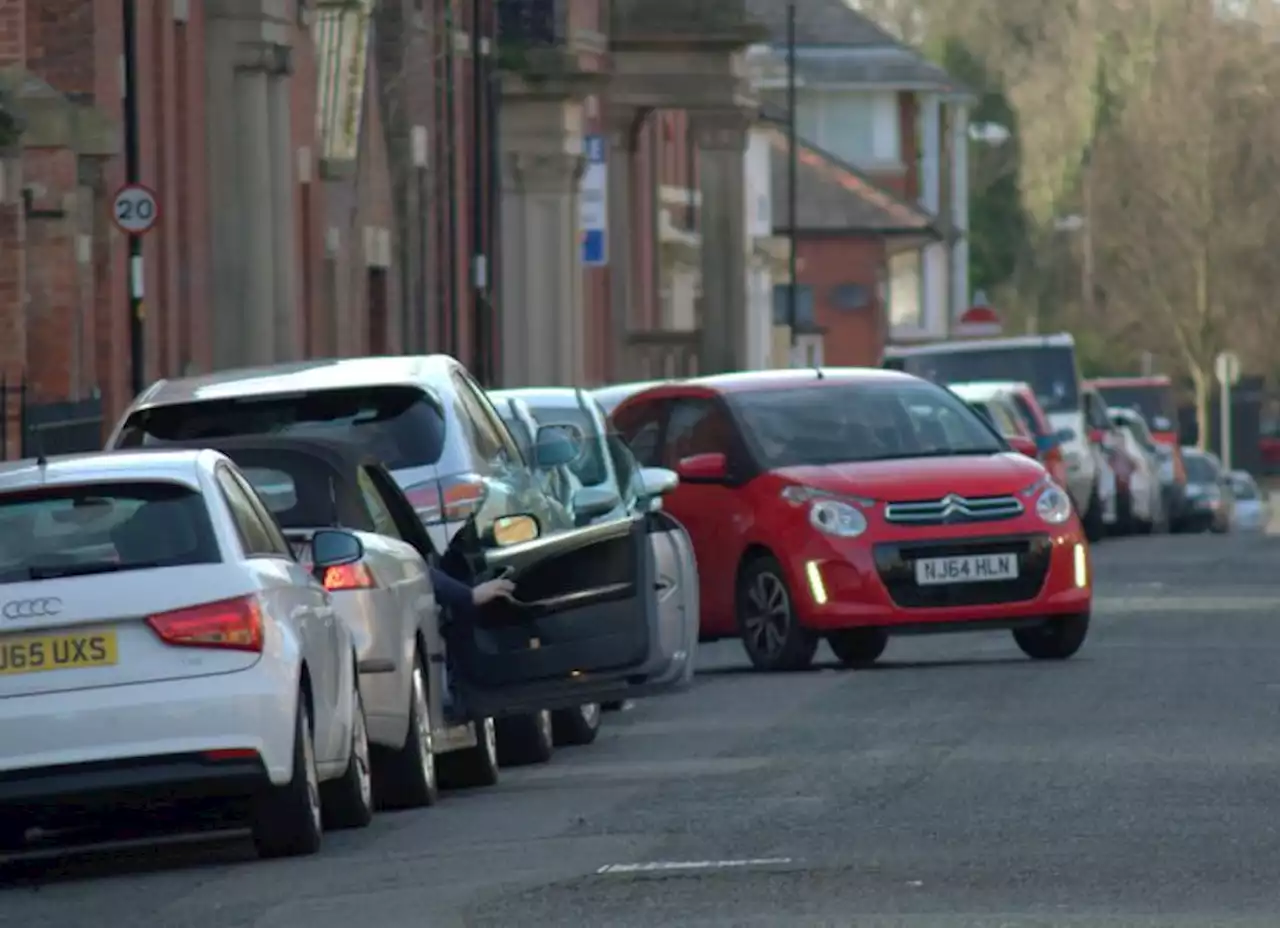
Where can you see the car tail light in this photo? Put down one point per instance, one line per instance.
(233, 624)
(230, 754)
(1097, 436)
(355, 576)
(451, 499)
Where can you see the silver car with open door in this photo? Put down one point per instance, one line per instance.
(585, 625)
(611, 485)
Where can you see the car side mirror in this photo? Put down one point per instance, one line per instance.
(656, 482)
(593, 502)
(1046, 443)
(554, 447)
(703, 468)
(1024, 445)
(1065, 435)
(512, 530)
(331, 547)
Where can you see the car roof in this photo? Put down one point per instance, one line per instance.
(985, 388)
(177, 465)
(1058, 340)
(547, 397)
(781, 379)
(300, 376)
(1156, 380)
(615, 393)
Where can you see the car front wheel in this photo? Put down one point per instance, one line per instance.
(1055, 640)
(771, 631)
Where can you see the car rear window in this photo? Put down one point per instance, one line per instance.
(402, 426)
(1200, 469)
(102, 528)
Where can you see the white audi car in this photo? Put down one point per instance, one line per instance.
(160, 642)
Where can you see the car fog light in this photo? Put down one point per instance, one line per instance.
(817, 589)
(1082, 566)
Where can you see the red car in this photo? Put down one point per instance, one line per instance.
(856, 504)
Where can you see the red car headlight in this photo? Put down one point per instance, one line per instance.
(832, 515)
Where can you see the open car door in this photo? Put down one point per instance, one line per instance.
(586, 625)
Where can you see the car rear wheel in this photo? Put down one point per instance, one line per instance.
(347, 802)
(406, 779)
(473, 766)
(525, 739)
(858, 647)
(577, 726)
(771, 631)
(1055, 640)
(287, 820)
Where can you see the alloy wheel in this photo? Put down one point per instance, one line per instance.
(426, 742)
(768, 617)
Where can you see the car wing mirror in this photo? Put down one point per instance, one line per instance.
(703, 468)
(657, 482)
(555, 446)
(331, 547)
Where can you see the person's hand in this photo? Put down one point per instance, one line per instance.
(490, 590)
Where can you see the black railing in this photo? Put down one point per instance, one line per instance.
(64, 427)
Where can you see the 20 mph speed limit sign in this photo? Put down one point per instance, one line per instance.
(135, 210)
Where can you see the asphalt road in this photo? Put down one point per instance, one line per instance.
(958, 785)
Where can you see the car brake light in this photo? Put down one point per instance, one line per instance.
(451, 499)
(233, 624)
(228, 754)
(348, 577)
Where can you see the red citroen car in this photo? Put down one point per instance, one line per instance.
(854, 504)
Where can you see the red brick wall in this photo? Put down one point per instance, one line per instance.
(853, 338)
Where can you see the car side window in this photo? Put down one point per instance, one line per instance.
(1096, 412)
(696, 426)
(491, 434)
(641, 427)
(256, 535)
(1025, 410)
(383, 522)
(478, 432)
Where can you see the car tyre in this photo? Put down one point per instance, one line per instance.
(287, 820)
(524, 740)
(1094, 527)
(1055, 640)
(577, 726)
(474, 766)
(771, 631)
(347, 802)
(406, 778)
(858, 647)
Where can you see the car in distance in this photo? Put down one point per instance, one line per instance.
(163, 643)
(1252, 512)
(1048, 442)
(1210, 499)
(856, 505)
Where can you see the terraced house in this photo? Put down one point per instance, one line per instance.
(339, 177)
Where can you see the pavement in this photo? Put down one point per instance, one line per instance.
(959, 785)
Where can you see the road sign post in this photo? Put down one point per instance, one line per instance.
(1226, 368)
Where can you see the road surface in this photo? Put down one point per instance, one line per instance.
(958, 785)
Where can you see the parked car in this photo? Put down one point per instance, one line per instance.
(859, 504)
(461, 470)
(424, 417)
(1210, 500)
(1252, 511)
(1147, 512)
(611, 484)
(609, 397)
(1114, 468)
(163, 644)
(1048, 364)
(1047, 440)
(387, 600)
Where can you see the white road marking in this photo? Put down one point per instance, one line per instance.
(666, 866)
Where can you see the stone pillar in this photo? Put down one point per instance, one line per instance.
(722, 139)
(226, 305)
(253, 203)
(542, 293)
(284, 224)
(622, 272)
(543, 319)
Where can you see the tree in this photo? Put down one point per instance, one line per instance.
(1187, 178)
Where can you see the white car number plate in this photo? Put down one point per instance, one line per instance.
(981, 568)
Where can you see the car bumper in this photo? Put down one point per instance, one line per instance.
(850, 584)
(252, 710)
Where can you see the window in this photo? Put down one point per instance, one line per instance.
(805, 318)
(837, 421)
(255, 537)
(383, 522)
(906, 308)
(696, 426)
(279, 545)
(641, 427)
(108, 527)
(479, 431)
(274, 487)
(1050, 370)
(590, 467)
(402, 426)
(1033, 421)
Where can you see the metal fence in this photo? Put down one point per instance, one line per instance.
(31, 429)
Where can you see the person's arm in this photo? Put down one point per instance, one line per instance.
(450, 593)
